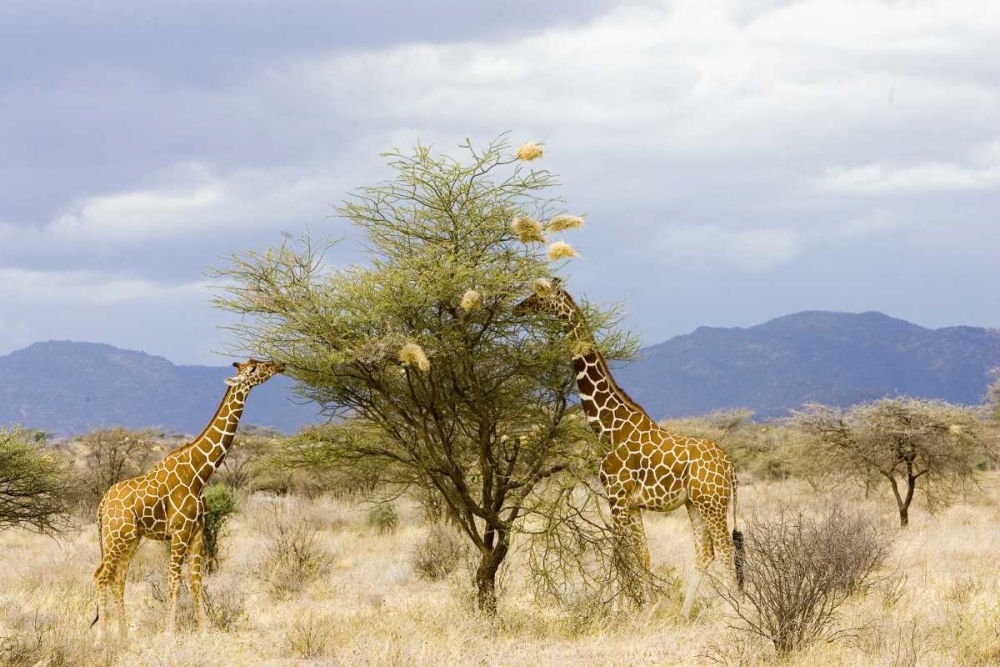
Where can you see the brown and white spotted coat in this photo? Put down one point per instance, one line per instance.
(166, 504)
(647, 466)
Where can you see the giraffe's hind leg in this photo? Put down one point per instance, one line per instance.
(703, 555)
(102, 579)
(718, 527)
(119, 589)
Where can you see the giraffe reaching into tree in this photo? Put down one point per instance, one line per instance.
(166, 504)
(647, 466)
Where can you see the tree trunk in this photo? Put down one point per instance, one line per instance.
(904, 505)
(486, 578)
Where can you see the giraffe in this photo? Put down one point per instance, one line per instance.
(647, 467)
(166, 504)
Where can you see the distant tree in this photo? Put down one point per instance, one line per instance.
(35, 486)
(993, 395)
(114, 454)
(248, 458)
(931, 445)
(446, 387)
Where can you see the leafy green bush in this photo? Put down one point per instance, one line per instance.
(220, 506)
(382, 518)
(35, 487)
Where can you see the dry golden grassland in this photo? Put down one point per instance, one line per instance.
(360, 602)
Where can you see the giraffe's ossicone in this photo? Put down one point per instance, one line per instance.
(166, 504)
(647, 466)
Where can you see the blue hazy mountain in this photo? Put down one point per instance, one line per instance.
(832, 358)
(823, 357)
(68, 387)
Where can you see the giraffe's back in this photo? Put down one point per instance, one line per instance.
(665, 471)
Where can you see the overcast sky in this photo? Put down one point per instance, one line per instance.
(736, 161)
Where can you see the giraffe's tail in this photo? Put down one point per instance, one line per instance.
(100, 568)
(739, 554)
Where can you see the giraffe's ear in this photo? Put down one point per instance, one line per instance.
(232, 382)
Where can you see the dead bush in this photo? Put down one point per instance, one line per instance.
(309, 636)
(225, 608)
(439, 554)
(800, 569)
(294, 556)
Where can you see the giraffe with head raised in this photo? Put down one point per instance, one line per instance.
(647, 466)
(166, 504)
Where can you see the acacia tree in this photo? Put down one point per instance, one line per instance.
(114, 454)
(35, 487)
(993, 395)
(420, 348)
(904, 441)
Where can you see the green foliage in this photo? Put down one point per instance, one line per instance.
(382, 518)
(35, 485)
(458, 395)
(220, 506)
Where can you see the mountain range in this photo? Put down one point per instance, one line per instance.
(833, 358)
(814, 356)
(68, 387)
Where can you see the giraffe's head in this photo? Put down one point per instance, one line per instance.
(253, 372)
(549, 298)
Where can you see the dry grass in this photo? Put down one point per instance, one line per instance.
(369, 607)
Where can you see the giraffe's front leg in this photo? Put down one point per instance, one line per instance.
(630, 560)
(178, 549)
(641, 546)
(194, 563)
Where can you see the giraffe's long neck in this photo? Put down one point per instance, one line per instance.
(208, 450)
(610, 411)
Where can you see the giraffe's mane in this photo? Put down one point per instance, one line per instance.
(600, 357)
(614, 384)
(180, 449)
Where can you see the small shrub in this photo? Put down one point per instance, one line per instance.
(294, 557)
(800, 570)
(439, 554)
(226, 609)
(220, 506)
(309, 636)
(382, 518)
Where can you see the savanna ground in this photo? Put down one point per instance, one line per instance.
(357, 597)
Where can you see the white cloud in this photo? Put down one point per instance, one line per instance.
(925, 177)
(707, 248)
(782, 123)
(715, 248)
(33, 288)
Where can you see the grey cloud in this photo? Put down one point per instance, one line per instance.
(735, 163)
